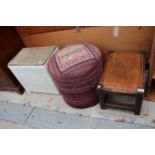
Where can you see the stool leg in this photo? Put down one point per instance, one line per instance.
(101, 96)
(102, 104)
(139, 98)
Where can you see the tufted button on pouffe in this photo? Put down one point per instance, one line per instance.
(76, 70)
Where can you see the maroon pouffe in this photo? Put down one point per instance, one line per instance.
(82, 100)
(76, 70)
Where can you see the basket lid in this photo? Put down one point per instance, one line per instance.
(33, 56)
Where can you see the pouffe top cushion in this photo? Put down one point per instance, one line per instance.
(74, 61)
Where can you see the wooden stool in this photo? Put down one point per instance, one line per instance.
(123, 74)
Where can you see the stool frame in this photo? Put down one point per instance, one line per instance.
(136, 107)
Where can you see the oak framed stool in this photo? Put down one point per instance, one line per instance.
(123, 73)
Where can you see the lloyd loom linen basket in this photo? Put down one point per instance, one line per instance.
(30, 67)
(76, 70)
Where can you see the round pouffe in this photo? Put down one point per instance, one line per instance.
(76, 70)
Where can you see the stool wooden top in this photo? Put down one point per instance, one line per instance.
(123, 72)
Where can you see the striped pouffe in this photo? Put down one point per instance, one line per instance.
(76, 70)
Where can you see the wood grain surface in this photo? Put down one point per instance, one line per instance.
(130, 38)
(123, 72)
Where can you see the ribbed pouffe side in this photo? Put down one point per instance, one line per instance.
(76, 70)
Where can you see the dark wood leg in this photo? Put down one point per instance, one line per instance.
(101, 96)
(139, 98)
(20, 90)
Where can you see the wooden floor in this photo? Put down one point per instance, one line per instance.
(42, 111)
(5, 124)
(31, 117)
